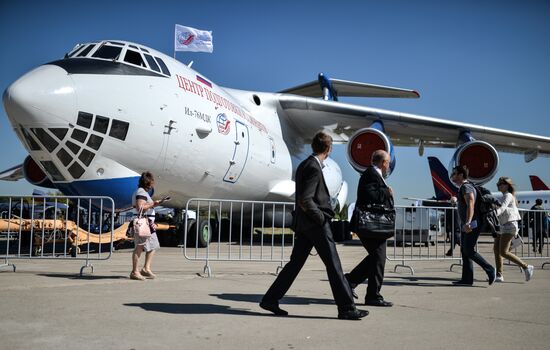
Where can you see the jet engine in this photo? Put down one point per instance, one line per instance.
(364, 142)
(35, 175)
(481, 159)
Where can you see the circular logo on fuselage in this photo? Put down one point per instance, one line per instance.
(223, 124)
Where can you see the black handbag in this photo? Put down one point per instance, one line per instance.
(373, 221)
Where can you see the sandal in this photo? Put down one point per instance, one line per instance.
(148, 274)
(136, 276)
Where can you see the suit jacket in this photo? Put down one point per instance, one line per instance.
(312, 196)
(373, 190)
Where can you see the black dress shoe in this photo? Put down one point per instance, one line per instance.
(355, 314)
(352, 287)
(449, 252)
(378, 302)
(462, 283)
(273, 308)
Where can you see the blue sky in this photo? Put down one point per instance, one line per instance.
(483, 62)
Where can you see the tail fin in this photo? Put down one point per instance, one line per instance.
(537, 183)
(443, 187)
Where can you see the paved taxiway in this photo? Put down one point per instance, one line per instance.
(46, 305)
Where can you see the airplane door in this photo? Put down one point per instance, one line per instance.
(240, 153)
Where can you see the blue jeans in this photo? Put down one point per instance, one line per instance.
(469, 256)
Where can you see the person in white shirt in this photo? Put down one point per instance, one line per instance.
(142, 201)
(508, 216)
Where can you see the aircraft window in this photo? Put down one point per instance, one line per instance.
(45, 139)
(59, 132)
(163, 66)
(30, 141)
(108, 52)
(76, 170)
(51, 169)
(116, 43)
(94, 142)
(75, 50)
(134, 57)
(79, 135)
(101, 124)
(152, 64)
(86, 157)
(86, 50)
(119, 129)
(133, 47)
(64, 156)
(73, 147)
(84, 119)
(144, 50)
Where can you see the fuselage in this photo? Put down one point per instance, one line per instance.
(111, 110)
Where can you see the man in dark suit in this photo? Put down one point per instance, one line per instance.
(312, 227)
(372, 189)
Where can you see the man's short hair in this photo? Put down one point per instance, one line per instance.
(378, 156)
(461, 169)
(321, 142)
(538, 201)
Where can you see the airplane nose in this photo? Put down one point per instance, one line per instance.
(45, 95)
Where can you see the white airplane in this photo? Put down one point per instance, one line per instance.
(109, 110)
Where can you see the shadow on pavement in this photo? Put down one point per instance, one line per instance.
(205, 309)
(287, 300)
(76, 276)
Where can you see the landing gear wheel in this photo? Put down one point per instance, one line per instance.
(204, 234)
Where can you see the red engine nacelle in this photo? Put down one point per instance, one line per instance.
(481, 159)
(362, 145)
(34, 174)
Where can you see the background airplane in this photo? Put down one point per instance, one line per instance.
(444, 188)
(537, 184)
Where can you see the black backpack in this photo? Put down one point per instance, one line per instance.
(485, 209)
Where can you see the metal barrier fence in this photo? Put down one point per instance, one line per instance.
(425, 233)
(226, 230)
(238, 230)
(57, 227)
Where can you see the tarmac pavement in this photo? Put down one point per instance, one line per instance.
(46, 305)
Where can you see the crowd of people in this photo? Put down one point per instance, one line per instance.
(314, 213)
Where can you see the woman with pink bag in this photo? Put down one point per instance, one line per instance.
(144, 204)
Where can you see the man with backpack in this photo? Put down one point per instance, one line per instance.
(470, 229)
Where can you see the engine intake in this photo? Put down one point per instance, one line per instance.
(364, 143)
(35, 175)
(481, 159)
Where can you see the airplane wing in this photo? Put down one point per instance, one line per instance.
(351, 89)
(309, 115)
(13, 174)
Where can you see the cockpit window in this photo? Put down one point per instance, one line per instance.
(86, 50)
(120, 52)
(152, 64)
(75, 50)
(134, 57)
(163, 66)
(108, 52)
